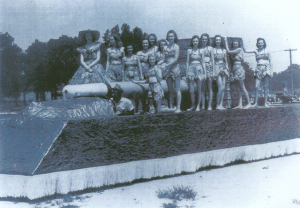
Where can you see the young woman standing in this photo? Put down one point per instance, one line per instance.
(207, 51)
(114, 59)
(172, 71)
(195, 71)
(221, 69)
(238, 71)
(263, 71)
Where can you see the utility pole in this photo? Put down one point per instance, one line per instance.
(290, 50)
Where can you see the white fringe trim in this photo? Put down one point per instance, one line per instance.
(63, 182)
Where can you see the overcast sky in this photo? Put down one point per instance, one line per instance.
(276, 21)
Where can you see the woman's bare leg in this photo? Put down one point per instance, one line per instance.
(192, 94)
(210, 93)
(238, 87)
(171, 91)
(199, 85)
(242, 86)
(266, 89)
(178, 92)
(257, 85)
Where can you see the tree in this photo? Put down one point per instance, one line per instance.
(115, 30)
(36, 68)
(61, 61)
(106, 36)
(11, 67)
(126, 35)
(137, 38)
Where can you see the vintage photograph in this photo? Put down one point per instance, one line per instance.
(149, 103)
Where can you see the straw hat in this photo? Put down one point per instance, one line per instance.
(95, 34)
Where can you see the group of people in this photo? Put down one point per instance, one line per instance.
(158, 60)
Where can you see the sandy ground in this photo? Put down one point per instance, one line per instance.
(273, 183)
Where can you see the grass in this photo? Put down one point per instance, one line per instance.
(170, 205)
(295, 201)
(177, 193)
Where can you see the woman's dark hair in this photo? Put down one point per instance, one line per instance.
(191, 41)
(125, 49)
(222, 41)
(258, 39)
(145, 37)
(119, 43)
(159, 47)
(94, 38)
(175, 35)
(208, 40)
(240, 45)
(152, 34)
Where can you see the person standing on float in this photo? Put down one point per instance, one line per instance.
(159, 54)
(90, 70)
(263, 71)
(237, 73)
(152, 43)
(114, 59)
(172, 71)
(221, 69)
(143, 56)
(195, 71)
(144, 66)
(207, 51)
(131, 69)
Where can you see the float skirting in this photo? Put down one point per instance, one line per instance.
(63, 182)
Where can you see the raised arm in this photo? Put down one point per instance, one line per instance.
(246, 50)
(158, 73)
(123, 69)
(139, 65)
(225, 57)
(187, 61)
(123, 51)
(234, 51)
(163, 57)
(107, 61)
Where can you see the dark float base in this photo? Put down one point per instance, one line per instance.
(52, 147)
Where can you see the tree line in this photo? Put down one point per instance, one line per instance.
(45, 66)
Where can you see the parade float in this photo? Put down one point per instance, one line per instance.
(77, 143)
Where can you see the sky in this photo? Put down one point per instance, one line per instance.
(276, 21)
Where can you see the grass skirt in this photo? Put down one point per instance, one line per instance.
(196, 71)
(114, 72)
(238, 72)
(155, 91)
(262, 70)
(221, 69)
(209, 70)
(131, 73)
(81, 76)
